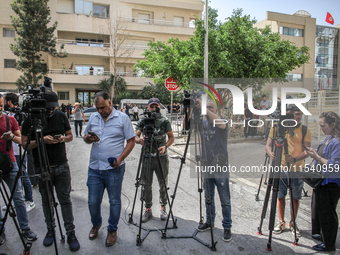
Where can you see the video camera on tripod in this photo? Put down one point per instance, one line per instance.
(33, 100)
(284, 121)
(150, 120)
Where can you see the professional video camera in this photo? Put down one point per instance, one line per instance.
(32, 100)
(288, 118)
(149, 121)
(190, 99)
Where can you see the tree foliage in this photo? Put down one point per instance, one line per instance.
(236, 50)
(33, 36)
(161, 92)
(119, 88)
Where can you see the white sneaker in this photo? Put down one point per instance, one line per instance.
(29, 205)
(4, 208)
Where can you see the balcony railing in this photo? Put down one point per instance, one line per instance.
(95, 73)
(133, 46)
(83, 43)
(190, 24)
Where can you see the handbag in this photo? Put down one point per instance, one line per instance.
(311, 177)
(6, 164)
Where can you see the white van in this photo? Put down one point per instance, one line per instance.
(141, 104)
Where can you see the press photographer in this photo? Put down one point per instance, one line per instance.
(296, 135)
(9, 131)
(12, 106)
(215, 144)
(56, 132)
(159, 126)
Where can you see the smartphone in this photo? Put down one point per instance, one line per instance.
(92, 134)
(305, 147)
(57, 136)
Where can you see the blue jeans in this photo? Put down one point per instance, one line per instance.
(80, 123)
(222, 185)
(18, 198)
(26, 182)
(97, 181)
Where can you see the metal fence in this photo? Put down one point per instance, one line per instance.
(320, 102)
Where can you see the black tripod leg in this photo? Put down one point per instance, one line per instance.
(265, 203)
(305, 192)
(289, 180)
(9, 211)
(176, 185)
(164, 183)
(137, 184)
(276, 177)
(258, 191)
(209, 202)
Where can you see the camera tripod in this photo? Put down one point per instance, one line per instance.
(273, 183)
(37, 128)
(200, 160)
(144, 167)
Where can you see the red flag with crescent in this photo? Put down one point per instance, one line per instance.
(329, 18)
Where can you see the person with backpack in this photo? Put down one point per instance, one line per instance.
(296, 136)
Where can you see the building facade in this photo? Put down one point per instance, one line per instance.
(91, 32)
(322, 70)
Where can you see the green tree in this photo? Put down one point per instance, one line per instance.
(119, 88)
(33, 36)
(161, 92)
(236, 50)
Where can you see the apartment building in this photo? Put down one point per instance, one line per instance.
(88, 29)
(322, 70)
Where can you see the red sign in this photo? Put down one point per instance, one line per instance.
(171, 84)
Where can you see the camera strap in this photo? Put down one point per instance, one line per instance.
(8, 142)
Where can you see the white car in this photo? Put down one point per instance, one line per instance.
(87, 112)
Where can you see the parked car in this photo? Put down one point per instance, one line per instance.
(87, 112)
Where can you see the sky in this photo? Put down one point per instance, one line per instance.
(257, 8)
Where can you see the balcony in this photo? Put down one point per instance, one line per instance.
(159, 26)
(77, 77)
(81, 23)
(80, 48)
(97, 49)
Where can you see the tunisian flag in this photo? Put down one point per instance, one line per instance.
(329, 18)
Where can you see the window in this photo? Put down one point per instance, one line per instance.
(83, 7)
(89, 42)
(294, 77)
(143, 18)
(291, 31)
(192, 23)
(101, 11)
(9, 32)
(178, 21)
(10, 63)
(63, 95)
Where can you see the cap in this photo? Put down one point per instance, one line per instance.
(154, 101)
(52, 99)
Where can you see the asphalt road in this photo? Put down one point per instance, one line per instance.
(245, 212)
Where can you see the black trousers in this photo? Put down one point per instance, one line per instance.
(326, 200)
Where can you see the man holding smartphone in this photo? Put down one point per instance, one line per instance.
(107, 131)
(56, 133)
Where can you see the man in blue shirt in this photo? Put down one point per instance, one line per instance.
(111, 129)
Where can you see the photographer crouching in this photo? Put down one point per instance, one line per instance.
(162, 127)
